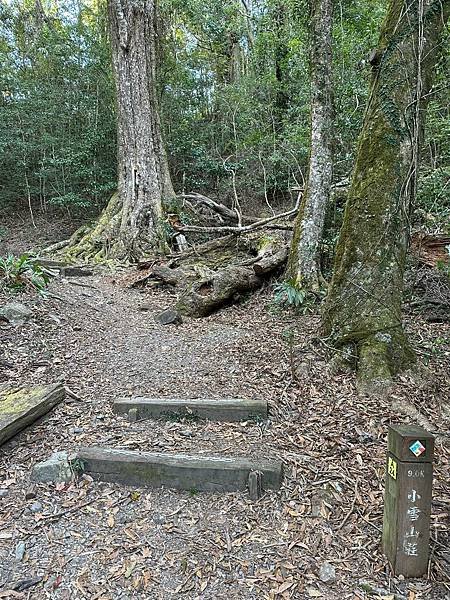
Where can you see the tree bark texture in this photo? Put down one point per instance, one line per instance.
(363, 307)
(144, 180)
(304, 259)
(132, 223)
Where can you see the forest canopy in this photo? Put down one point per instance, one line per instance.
(233, 86)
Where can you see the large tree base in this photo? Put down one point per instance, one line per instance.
(377, 359)
(104, 242)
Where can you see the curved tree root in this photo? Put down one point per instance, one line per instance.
(98, 243)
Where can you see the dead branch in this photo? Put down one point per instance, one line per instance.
(245, 228)
(219, 208)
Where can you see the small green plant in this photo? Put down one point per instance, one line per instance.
(19, 273)
(287, 295)
(77, 466)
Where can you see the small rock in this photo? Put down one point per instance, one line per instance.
(168, 317)
(20, 550)
(15, 313)
(36, 507)
(3, 493)
(76, 430)
(30, 494)
(56, 469)
(366, 438)
(327, 573)
(145, 307)
(186, 433)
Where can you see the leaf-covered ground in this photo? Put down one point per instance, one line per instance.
(102, 541)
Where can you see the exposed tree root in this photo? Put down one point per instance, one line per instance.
(98, 243)
(104, 241)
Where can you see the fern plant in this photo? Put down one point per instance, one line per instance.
(288, 295)
(19, 273)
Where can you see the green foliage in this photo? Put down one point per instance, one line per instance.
(57, 129)
(287, 295)
(19, 273)
(433, 199)
(234, 92)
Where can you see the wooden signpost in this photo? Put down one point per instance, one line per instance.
(407, 505)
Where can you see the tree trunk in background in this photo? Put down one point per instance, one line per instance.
(132, 223)
(304, 259)
(363, 316)
(144, 180)
(280, 19)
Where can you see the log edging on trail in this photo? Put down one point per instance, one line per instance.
(178, 471)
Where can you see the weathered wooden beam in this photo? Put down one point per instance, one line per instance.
(228, 409)
(21, 407)
(179, 471)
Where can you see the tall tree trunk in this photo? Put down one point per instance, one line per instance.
(304, 258)
(363, 316)
(132, 223)
(280, 19)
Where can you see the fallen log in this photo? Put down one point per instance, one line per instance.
(21, 407)
(273, 261)
(204, 296)
(220, 271)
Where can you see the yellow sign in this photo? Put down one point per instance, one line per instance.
(392, 468)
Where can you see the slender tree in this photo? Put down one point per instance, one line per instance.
(363, 316)
(304, 258)
(132, 223)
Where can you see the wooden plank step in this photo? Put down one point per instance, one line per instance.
(179, 471)
(19, 407)
(228, 409)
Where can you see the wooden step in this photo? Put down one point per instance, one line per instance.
(229, 409)
(179, 471)
(20, 407)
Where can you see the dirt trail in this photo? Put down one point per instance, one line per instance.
(161, 543)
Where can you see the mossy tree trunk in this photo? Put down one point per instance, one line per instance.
(132, 223)
(304, 258)
(363, 311)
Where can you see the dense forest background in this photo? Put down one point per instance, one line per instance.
(234, 96)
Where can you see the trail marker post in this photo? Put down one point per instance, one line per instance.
(407, 502)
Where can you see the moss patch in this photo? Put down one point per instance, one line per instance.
(17, 400)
